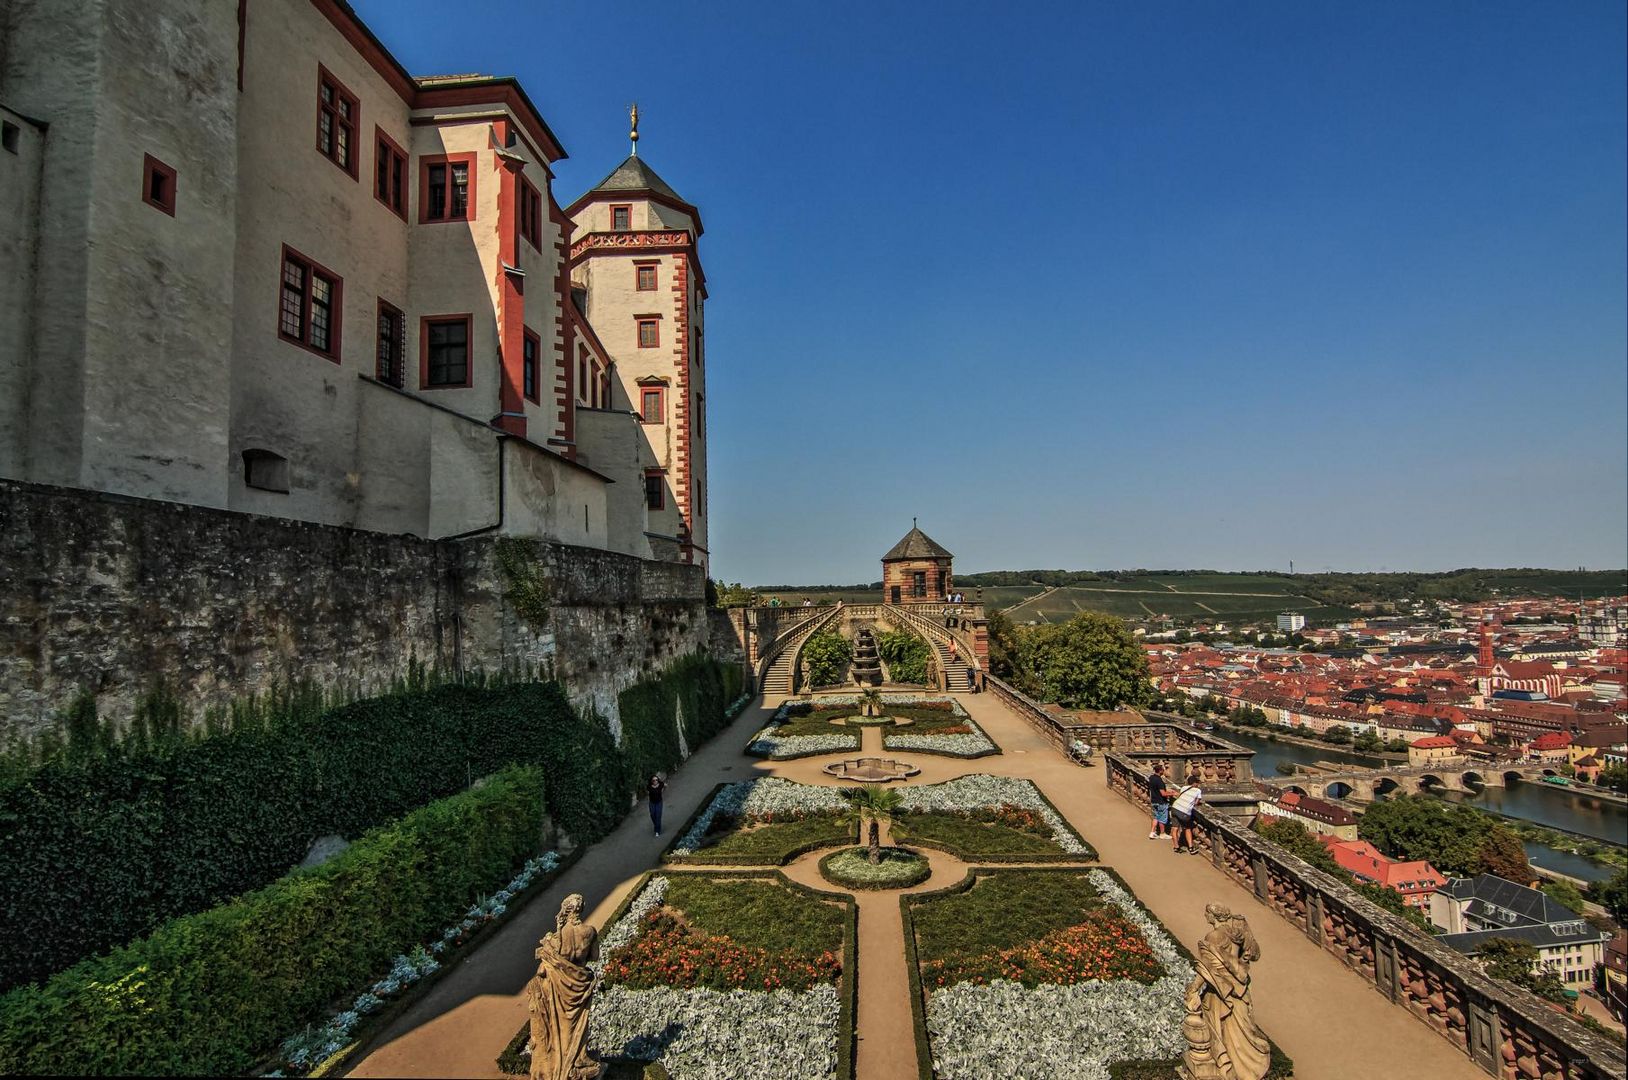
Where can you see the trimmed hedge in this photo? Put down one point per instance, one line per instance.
(211, 993)
(104, 847)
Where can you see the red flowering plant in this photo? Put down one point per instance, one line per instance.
(1104, 946)
(670, 953)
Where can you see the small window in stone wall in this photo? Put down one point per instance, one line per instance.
(158, 185)
(8, 136)
(265, 471)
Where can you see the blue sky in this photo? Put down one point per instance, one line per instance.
(1133, 285)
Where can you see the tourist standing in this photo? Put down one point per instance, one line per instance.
(1159, 794)
(1187, 800)
(655, 790)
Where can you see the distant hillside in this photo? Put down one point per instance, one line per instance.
(1051, 595)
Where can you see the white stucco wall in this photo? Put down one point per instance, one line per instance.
(610, 442)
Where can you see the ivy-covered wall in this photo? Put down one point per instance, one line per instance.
(115, 596)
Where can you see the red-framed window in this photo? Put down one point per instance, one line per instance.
(309, 299)
(622, 217)
(390, 351)
(604, 390)
(652, 404)
(531, 349)
(582, 377)
(337, 115)
(446, 187)
(649, 331)
(157, 184)
(389, 172)
(644, 277)
(444, 351)
(655, 489)
(531, 214)
(594, 393)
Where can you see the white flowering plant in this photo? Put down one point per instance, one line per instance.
(765, 798)
(980, 791)
(307, 1049)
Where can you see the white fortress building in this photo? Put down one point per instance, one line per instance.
(252, 263)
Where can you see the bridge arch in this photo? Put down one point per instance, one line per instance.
(1430, 780)
(1473, 781)
(1339, 789)
(1297, 789)
(1512, 777)
(1385, 786)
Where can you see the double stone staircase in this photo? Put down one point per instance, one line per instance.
(778, 667)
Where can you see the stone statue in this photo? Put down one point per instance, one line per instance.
(1223, 1042)
(558, 995)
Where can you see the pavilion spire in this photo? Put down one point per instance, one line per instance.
(633, 134)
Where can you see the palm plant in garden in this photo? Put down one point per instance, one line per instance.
(875, 806)
(870, 703)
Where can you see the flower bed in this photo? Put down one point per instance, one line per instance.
(716, 975)
(762, 805)
(900, 868)
(1072, 976)
(980, 793)
(968, 744)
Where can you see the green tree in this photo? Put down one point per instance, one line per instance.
(1516, 963)
(873, 807)
(1446, 835)
(827, 655)
(906, 655)
(1612, 894)
(1502, 854)
(1367, 742)
(1338, 734)
(1003, 646)
(1615, 777)
(1089, 662)
(736, 595)
(1294, 838)
(1565, 894)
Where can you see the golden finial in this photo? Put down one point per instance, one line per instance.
(633, 115)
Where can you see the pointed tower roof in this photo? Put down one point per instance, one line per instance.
(634, 178)
(916, 545)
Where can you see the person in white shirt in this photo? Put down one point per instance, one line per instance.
(1181, 813)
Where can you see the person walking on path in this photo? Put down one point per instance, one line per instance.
(1159, 795)
(1187, 800)
(655, 790)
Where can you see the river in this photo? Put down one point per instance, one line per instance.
(1601, 819)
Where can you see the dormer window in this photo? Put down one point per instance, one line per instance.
(621, 218)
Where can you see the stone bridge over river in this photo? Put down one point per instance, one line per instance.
(1366, 785)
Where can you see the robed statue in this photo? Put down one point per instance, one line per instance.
(558, 995)
(1223, 1042)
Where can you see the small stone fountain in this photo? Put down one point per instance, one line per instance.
(871, 770)
(867, 665)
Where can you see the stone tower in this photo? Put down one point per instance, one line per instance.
(634, 264)
(916, 570)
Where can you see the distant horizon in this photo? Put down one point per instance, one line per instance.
(958, 573)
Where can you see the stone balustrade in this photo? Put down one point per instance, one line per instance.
(1218, 763)
(1510, 1033)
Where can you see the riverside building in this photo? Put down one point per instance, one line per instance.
(255, 264)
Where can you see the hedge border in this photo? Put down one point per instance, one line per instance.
(847, 992)
(879, 887)
(378, 1022)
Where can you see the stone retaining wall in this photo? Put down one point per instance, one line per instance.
(115, 595)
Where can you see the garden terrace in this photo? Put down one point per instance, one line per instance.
(1509, 1033)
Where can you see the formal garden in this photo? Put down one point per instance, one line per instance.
(832, 723)
(723, 973)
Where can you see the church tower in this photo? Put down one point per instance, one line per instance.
(634, 263)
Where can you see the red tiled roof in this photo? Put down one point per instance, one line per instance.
(1433, 742)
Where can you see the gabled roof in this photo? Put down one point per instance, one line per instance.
(916, 545)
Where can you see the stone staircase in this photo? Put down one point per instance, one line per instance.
(780, 676)
(956, 672)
